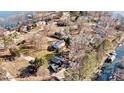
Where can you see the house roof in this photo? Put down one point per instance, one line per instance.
(59, 44)
(54, 67)
(58, 60)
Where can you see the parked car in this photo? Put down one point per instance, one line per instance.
(58, 35)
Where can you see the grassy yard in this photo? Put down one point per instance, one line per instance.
(46, 55)
(13, 67)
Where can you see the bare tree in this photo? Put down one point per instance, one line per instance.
(38, 41)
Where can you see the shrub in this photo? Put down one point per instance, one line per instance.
(39, 62)
(1, 60)
(8, 41)
(68, 41)
(72, 74)
(23, 51)
(83, 13)
(14, 52)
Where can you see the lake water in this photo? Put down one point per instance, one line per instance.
(119, 12)
(5, 14)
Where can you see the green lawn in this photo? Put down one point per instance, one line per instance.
(46, 55)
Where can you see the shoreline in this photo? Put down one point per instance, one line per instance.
(113, 49)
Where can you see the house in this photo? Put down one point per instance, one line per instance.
(58, 35)
(29, 17)
(56, 63)
(54, 67)
(57, 45)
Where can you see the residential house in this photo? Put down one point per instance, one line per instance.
(57, 45)
(56, 63)
(58, 35)
(29, 16)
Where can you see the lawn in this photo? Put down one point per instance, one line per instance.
(46, 55)
(13, 67)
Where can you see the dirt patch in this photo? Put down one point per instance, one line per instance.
(13, 67)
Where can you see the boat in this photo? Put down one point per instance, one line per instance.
(111, 57)
(120, 45)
